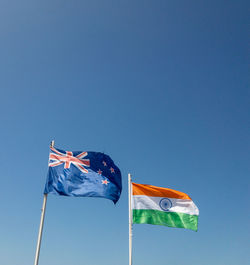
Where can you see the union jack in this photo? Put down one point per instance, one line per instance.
(57, 158)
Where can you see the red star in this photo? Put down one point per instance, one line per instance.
(105, 182)
(99, 172)
(112, 170)
(104, 163)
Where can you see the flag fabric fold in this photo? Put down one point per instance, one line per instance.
(83, 174)
(162, 206)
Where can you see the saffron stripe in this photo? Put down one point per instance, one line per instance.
(153, 191)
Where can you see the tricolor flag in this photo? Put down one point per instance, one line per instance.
(162, 206)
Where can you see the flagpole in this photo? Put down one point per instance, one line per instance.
(130, 218)
(41, 223)
(40, 230)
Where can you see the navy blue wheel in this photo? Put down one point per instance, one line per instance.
(165, 204)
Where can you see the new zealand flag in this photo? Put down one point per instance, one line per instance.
(83, 174)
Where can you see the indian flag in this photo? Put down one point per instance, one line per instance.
(162, 206)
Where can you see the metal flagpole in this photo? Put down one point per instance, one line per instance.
(41, 223)
(130, 218)
(40, 230)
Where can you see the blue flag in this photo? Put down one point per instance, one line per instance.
(83, 174)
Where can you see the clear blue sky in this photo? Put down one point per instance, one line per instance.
(160, 86)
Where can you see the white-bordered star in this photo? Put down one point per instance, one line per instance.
(105, 182)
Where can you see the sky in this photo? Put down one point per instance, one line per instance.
(160, 86)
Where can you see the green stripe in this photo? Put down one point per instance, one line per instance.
(171, 219)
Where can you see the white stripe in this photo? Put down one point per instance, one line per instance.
(153, 203)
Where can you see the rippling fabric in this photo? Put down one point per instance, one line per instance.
(83, 174)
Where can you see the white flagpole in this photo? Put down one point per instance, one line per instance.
(130, 218)
(40, 230)
(41, 223)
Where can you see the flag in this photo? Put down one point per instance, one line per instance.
(83, 174)
(162, 206)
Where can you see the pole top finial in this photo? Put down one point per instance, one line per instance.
(52, 143)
